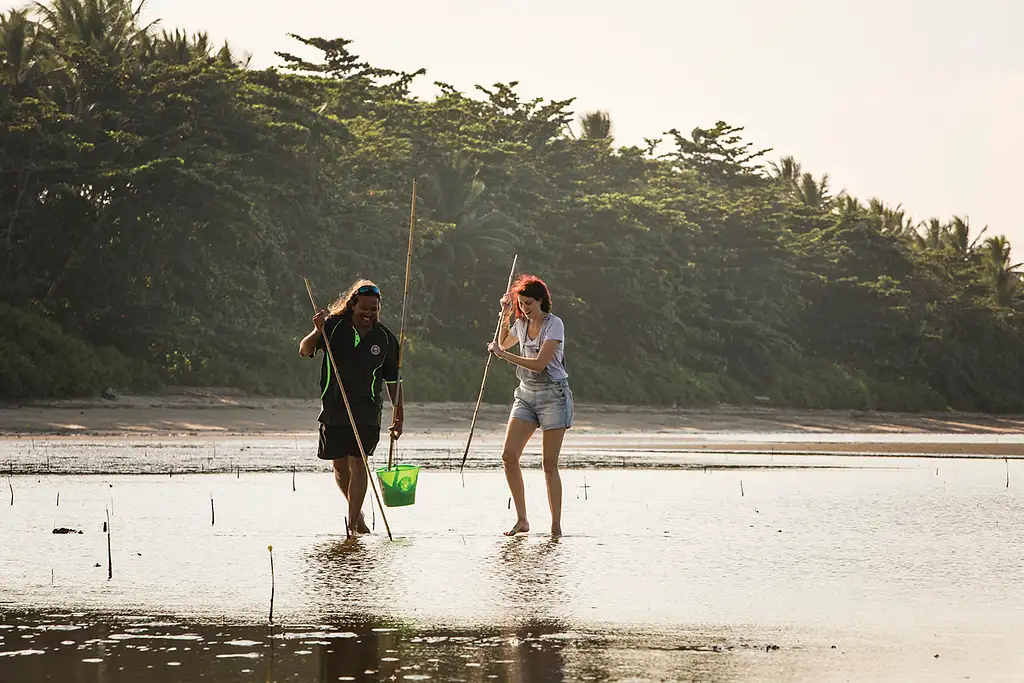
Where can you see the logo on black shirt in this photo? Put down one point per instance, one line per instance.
(375, 350)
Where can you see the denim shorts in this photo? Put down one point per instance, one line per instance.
(548, 404)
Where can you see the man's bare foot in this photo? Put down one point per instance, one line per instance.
(358, 528)
(521, 527)
(556, 531)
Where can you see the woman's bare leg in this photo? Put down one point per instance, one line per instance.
(517, 434)
(552, 446)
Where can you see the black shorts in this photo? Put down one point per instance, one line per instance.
(338, 441)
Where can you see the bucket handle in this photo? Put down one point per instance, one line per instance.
(392, 451)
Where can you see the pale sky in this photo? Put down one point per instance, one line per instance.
(919, 102)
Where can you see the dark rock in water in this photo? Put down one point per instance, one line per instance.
(109, 394)
(770, 648)
(65, 530)
(97, 565)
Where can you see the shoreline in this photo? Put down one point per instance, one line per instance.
(212, 414)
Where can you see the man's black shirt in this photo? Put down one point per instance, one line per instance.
(365, 363)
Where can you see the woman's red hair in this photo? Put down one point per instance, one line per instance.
(530, 286)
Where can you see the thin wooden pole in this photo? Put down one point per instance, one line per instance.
(401, 333)
(483, 382)
(351, 417)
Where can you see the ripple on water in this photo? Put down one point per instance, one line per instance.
(154, 636)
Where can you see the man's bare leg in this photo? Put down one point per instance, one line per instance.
(342, 477)
(356, 494)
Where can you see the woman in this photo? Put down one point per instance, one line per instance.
(543, 397)
(367, 356)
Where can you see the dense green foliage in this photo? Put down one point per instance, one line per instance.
(160, 203)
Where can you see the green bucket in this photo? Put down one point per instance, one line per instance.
(398, 484)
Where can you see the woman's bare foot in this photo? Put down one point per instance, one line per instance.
(521, 527)
(556, 531)
(361, 527)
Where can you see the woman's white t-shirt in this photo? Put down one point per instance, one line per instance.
(552, 329)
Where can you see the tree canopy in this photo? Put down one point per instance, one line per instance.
(160, 202)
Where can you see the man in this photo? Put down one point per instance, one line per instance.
(367, 356)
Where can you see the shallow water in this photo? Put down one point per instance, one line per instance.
(665, 573)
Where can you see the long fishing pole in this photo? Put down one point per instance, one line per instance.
(351, 417)
(483, 382)
(401, 333)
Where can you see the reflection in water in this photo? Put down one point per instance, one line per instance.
(344, 575)
(355, 658)
(342, 567)
(347, 577)
(123, 649)
(528, 577)
(115, 649)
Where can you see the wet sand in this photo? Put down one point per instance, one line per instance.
(211, 415)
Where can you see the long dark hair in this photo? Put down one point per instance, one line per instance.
(533, 287)
(346, 301)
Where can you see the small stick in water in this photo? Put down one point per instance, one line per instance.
(741, 488)
(213, 514)
(58, 498)
(509, 503)
(110, 558)
(270, 549)
(12, 489)
(293, 479)
(348, 534)
(51, 576)
(1007, 461)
